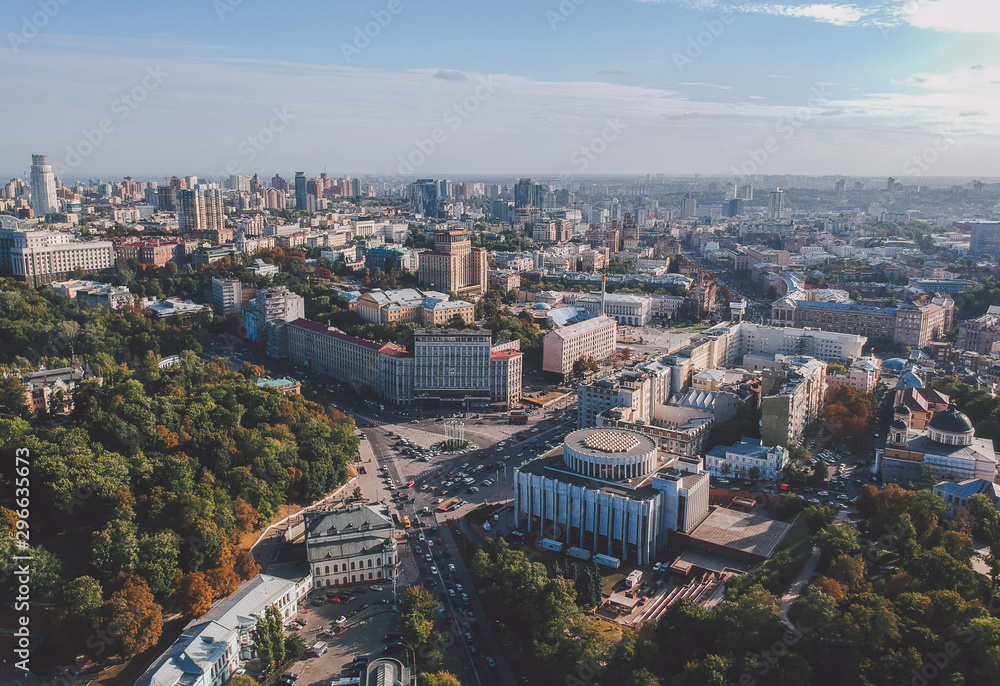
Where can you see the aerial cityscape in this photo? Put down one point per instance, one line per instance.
(585, 342)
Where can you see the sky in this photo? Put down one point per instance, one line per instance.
(548, 88)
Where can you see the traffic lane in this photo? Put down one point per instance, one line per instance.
(481, 628)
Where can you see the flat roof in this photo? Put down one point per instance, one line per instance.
(741, 531)
(608, 442)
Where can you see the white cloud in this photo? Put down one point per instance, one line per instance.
(957, 16)
(355, 120)
(839, 15)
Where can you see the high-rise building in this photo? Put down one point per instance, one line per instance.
(776, 204)
(454, 265)
(43, 186)
(301, 201)
(689, 207)
(841, 186)
(227, 295)
(985, 238)
(200, 210)
(166, 198)
(733, 208)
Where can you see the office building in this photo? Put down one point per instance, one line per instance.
(985, 238)
(905, 324)
(227, 296)
(41, 257)
(592, 338)
(454, 265)
(611, 492)
(947, 449)
(43, 186)
(628, 389)
(447, 368)
(351, 546)
(266, 316)
(776, 204)
(301, 193)
(94, 293)
(625, 308)
(792, 398)
(166, 198)
(199, 211)
(689, 206)
(733, 208)
(748, 459)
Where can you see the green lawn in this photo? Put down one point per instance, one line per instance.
(610, 580)
(482, 513)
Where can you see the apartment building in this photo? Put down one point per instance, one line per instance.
(981, 333)
(749, 458)
(628, 389)
(793, 397)
(227, 296)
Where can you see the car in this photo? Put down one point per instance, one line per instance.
(451, 592)
(473, 489)
(465, 597)
(341, 620)
(823, 493)
(439, 541)
(290, 676)
(658, 566)
(376, 588)
(815, 501)
(842, 496)
(491, 662)
(451, 568)
(458, 587)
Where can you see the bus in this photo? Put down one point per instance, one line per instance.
(406, 522)
(517, 417)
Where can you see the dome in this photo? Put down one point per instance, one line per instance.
(894, 365)
(541, 306)
(950, 422)
(898, 425)
(902, 409)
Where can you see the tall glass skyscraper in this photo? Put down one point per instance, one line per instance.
(43, 186)
(300, 191)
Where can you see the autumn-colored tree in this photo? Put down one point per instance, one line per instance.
(242, 680)
(246, 567)
(195, 595)
(222, 576)
(246, 516)
(831, 587)
(848, 414)
(135, 618)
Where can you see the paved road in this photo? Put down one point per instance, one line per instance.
(797, 587)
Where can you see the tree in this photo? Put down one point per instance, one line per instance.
(115, 549)
(242, 680)
(818, 517)
(269, 638)
(836, 540)
(195, 595)
(439, 679)
(158, 561)
(80, 601)
(135, 618)
(246, 566)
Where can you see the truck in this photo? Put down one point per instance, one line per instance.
(579, 553)
(550, 544)
(607, 561)
(448, 506)
(318, 648)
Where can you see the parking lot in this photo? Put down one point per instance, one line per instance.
(362, 634)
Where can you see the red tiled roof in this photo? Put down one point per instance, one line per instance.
(504, 354)
(316, 327)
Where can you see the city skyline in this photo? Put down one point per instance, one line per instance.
(561, 89)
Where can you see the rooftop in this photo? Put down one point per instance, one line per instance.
(741, 531)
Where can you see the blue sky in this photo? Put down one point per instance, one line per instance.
(542, 88)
